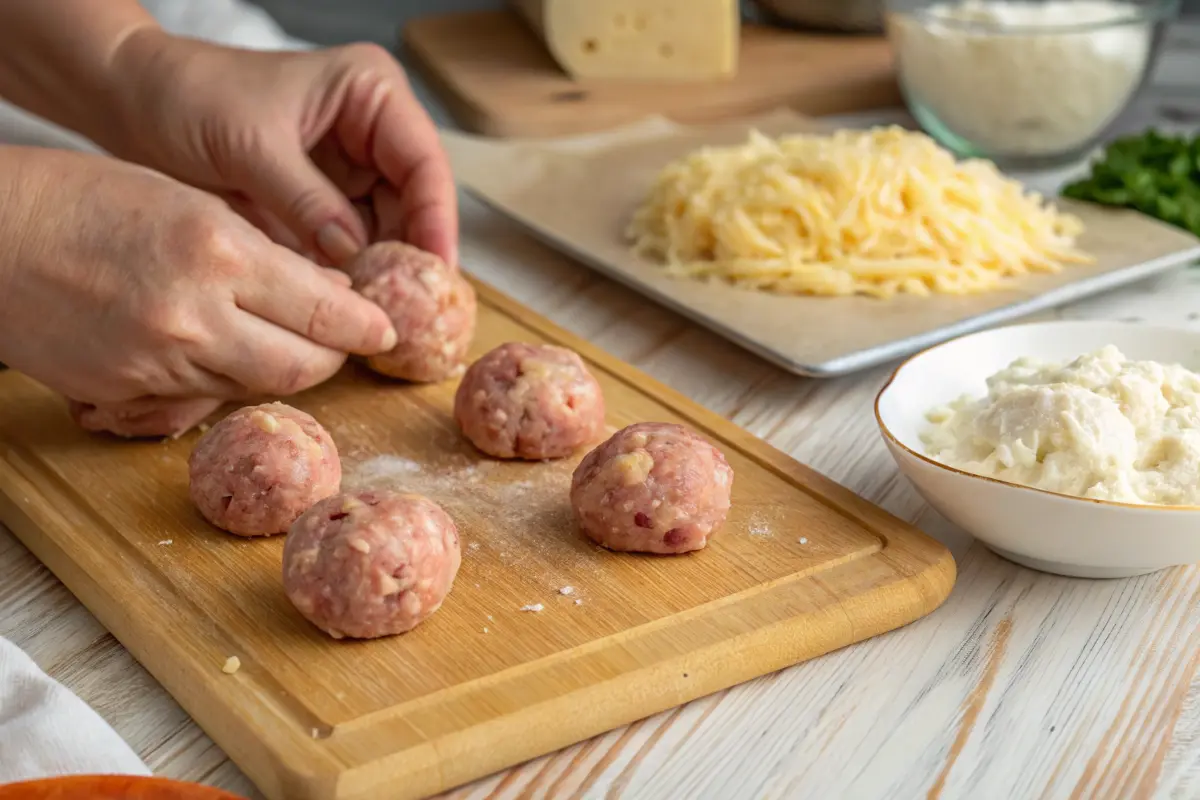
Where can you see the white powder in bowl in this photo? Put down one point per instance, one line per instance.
(1019, 78)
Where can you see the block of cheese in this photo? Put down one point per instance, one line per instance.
(646, 39)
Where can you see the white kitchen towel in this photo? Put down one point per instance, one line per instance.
(45, 730)
(231, 22)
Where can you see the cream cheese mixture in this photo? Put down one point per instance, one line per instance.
(1101, 426)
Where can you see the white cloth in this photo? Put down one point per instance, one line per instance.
(230, 22)
(45, 730)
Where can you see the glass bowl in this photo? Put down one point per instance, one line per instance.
(1028, 84)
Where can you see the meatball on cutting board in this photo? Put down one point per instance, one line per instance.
(654, 487)
(370, 563)
(257, 470)
(531, 401)
(146, 418)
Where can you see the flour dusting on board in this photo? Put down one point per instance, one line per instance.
(759, 526)
(385, 469)
(522, 499)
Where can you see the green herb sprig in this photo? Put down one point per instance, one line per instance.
(1155, 174)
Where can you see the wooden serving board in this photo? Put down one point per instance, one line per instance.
(498, 79)
(802, 566)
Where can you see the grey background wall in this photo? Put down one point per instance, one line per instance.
(334, 21)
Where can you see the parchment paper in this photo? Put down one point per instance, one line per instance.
(577, 195)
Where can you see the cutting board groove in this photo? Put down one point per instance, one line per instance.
(306, 717)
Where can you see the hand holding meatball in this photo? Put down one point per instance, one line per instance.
(431, 305)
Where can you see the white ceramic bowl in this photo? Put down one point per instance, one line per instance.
(1038, 529)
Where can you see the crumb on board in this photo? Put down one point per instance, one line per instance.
(166, 542)
(232, 665)
(534, 607)
(477, 586)
(490, 619)
(315, 733)
(803, 540)
(485, 630)
(567, 590)
(578, 602)
(473, 546)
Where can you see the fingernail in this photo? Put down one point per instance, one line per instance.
(337, 243)
(389, 340)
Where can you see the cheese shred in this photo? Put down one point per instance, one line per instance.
(875, 212)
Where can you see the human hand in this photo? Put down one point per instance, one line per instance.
(326, 151)
(117, 283)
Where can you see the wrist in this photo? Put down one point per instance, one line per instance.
(55, 58)
(139, 62)
(22, 187)
(19, 196)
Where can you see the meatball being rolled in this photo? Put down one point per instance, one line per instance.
(432, 307)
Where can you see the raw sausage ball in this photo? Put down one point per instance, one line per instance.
(143, 418)
(653, 487)
(530, 401)
(370, 563)
(431, 304)
(262, 466)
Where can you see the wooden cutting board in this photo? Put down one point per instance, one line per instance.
(497, 78)
(802, 566)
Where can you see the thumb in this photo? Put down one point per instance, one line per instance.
(284, 180)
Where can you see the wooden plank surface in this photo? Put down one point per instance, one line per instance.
(497, 78)
(802, 567)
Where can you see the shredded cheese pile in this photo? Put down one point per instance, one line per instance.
(872, 212)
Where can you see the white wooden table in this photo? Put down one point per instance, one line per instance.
(1022, 685)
